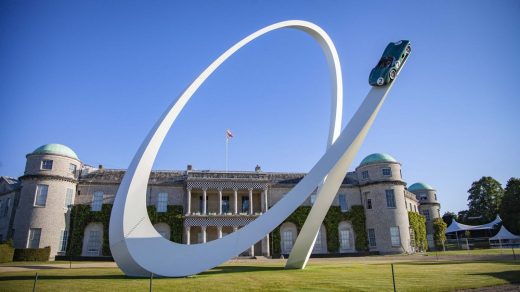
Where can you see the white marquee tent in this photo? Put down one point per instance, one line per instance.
(456, 226)
(504, 238)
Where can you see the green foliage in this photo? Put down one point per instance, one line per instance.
(439, 230)
(172, 217)
(82, 216)
(356, 216)
(418, 225)
(448, 217)
(32, 254)
(461, 216)
(6, 253)
(485, 196)
(510, 207)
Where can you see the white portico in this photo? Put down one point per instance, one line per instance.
(218, 203)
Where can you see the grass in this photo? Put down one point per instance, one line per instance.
(22, 263)
(320, 275)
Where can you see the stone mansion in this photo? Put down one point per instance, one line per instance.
(40, 208)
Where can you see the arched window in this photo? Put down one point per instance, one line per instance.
(346, 237)
(288, 234)
(93, 240)
(320, 245)
(287, 240)
(163, 229)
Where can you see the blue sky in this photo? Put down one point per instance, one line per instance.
(96, 75)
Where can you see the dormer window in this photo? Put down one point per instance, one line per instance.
(364, 174)
(46, 164)
(387, 172)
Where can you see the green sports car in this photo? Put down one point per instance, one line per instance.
(391, 62)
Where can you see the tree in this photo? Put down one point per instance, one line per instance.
(448, 217)
(439, 232)
(485, 196)
(510, 207)
(462, 215)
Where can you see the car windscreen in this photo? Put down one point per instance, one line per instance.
(385, 62)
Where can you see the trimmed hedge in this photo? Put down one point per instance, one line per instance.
(6, 253)
(32, 254)
(418, 225)
(81, 216)
(356, 216)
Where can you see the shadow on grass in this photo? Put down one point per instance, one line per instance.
(509, 276)
(34, 267)
(240, 269)
(65, 277)
(214, 271)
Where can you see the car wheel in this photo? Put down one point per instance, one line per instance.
(408, 49)
(393, 73)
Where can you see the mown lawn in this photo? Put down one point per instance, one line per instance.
(319, 275)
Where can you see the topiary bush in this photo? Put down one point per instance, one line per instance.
(356, 216)
(6, 252)
(32, 254)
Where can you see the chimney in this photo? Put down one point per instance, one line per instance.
(189, 167)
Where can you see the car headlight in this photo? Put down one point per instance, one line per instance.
(397, 64)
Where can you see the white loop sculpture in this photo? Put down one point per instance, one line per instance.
(140, 250)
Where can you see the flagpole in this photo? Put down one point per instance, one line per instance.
(227, 141)
(229, 135)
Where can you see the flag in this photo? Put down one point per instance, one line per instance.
(229, 135)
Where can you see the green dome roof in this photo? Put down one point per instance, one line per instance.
(420, 186)
(377, 158)
(55, 149)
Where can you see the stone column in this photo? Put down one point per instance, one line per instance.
(266, 204)
(235, 200)
(235, 228)
(204, 198)
(188, 234)
(203, 234)
(219, 231)
(188, 202)
(220, 202)
(250, 201)
(252, 250)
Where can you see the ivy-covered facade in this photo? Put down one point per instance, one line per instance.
(82, 216)
(356, 215)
